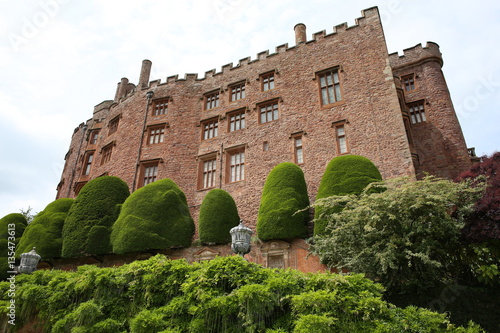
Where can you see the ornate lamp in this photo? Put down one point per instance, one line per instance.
(240, 236)
(29, 261)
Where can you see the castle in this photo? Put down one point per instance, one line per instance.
(339, 93)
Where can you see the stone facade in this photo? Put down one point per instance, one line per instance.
(199, 141)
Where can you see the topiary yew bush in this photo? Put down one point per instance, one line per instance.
(344, 175)
(155, 216)
(87, 227)
(218, 214)
(282, 211)
(45, 231)
(12, 227)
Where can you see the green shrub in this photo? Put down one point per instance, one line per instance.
(12, 227)
(282, 213)
(45, 231)
(344, 175)
(87, 227)
(218, 214)
(155, 216)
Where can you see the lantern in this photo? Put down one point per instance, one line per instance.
(240, 236)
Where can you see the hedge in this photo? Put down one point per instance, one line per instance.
(87, 227)
(284, 198)
(45, 231)
(218, 214)
(346, 174)
(11, 225)
(155, 216)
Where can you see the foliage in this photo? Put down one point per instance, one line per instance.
(406, 237)
(344, 175)
(223, 295)
(28, 214)
(155, 216)
(87, 227)
(282, 212)
(218, 214)
(45, 231)
(12, 227)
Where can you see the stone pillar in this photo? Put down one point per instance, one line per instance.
(145, 73)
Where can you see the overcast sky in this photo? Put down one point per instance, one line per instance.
(59, 58)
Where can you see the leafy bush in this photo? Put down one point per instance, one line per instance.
(218, 214)
(406, 237)
(344, 175)
(282, 211)
(87, 227)
(12, 227)
(155, 216)
(45, 231)
(223, 295)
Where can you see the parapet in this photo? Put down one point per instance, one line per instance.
(417, 54)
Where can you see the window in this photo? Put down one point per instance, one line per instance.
(93, 137)
(212, 100)
(409, 82)
(160, 106)
(149, 173)
(342, 147)
(208, 173)
(156, 134)
(268, 112)
(236, 120)
(298, 151)
(78, 187)
(417, 112)
(329, 86)
(113, 125)
(210, 128)
(237, 91)
(106, 153)
(265, 146)
(267, 81)
(236, 165)
(89, 157)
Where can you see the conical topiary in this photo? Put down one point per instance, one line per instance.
(218, 214)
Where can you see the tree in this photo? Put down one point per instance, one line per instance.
(12, 227)
(282, 211)
(87, 227)
(407, 237)
(218, 214)
(45, 231)
(344, 175)
(155, 216)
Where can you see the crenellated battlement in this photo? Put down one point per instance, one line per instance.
(413, 55)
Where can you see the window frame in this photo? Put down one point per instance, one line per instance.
(106, 152)
(341, 139)
(211, 99)
(160, 106)
(417, 116)
(113, 124)
(298, 148)
(411, 86)
(160, 135)
(275, 112)
(336, 93)
(238, 168)
(241, 120)
(208, 133)
(88, 159)
(265, 83)
(238, 91)
(146, 179)
(207, 179)
(93, 136)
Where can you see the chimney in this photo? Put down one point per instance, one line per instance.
(300, 33)
(121, 90)
(145, 72)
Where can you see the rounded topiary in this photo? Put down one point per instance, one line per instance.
(155, 216)
(12, 227)
(346, 174)
(282, 213)
(87, 227)
(45, 231)
(218, 214)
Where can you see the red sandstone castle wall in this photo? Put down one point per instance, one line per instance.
(369, 106)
